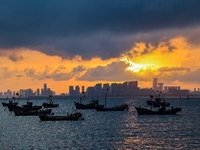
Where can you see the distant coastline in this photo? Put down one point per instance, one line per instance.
(101, 97)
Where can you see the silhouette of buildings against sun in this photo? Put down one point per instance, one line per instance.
(128, 88)
(29, 92)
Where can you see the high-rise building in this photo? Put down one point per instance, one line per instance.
(160, 87)
(71, 91)
(155, 83)
(98, 89)
(106, 88)
(8, 93)
(38, 92)
(133, 84)
(83, 89)
(45, 89)
(114, 89)
(77, 90)
(91, 91)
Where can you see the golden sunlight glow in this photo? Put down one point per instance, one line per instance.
(133, 66)
(26, 71)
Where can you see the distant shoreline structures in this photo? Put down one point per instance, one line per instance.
(125, 89)
(102, 97)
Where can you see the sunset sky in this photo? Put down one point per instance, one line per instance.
(84, 42)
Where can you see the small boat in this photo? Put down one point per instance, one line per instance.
(158, 101)
(69, 117)
(31, 112)
(161, 111)
(122, 107)
(10, 102)
(92, 105)
(28, 106)
(49, 104)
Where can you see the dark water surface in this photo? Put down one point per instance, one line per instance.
(104, 130)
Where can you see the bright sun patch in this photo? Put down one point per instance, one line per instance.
(133, 66)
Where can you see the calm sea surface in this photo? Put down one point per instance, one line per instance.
(103, 130)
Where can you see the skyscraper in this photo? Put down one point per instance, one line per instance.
(71, 91)
(155, 83)
(45, 90)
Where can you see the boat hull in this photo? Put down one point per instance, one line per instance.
(144, 111)
(7, 104)
(87, 106)
(31, 112)
(12, 108)
(72, 117)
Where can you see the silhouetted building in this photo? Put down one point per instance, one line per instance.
(133, 85)
(106, 88)
(77, 91)
(98, 89)
(83, 89)
(160, 87)
(155, 83)
(91, 91)
(71, 91)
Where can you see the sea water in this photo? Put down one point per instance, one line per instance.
(103, 130)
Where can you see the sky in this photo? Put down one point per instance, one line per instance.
(63, 43)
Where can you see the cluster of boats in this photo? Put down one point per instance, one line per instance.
(159, 103)
(44, 111)
(94, 104)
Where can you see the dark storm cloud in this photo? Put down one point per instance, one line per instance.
(91, 28)
(15, 58)
(112, 72)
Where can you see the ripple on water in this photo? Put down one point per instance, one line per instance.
(104, 130)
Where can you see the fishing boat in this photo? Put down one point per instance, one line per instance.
(92, 105)
(122, 107)
(27, 106)
(31, 112)
(49, 104)
(5, 104)
(11, 102)
(69, 117)
(158, 101)
(161, 111)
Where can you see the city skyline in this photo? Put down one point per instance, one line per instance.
(115, 89)
(76, 43)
